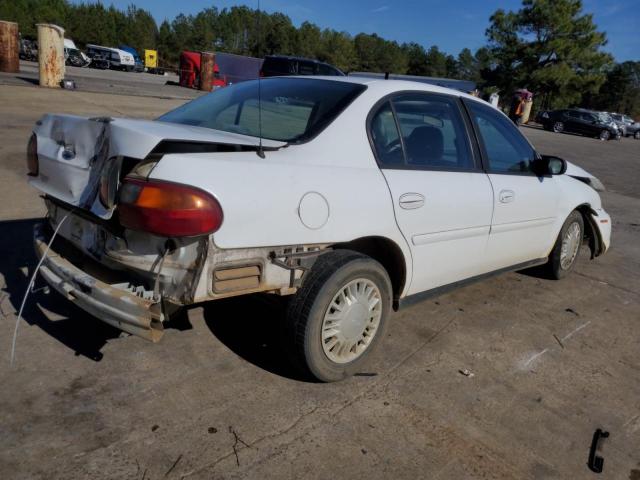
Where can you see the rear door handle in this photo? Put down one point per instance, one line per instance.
(507, 196)
(409, 201)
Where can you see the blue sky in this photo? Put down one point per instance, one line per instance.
(452, 25)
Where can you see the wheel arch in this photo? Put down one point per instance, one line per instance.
(389, 254)
(591, 230)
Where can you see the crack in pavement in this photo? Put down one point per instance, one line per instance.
(612, 285)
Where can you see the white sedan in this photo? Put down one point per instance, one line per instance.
(352, 196)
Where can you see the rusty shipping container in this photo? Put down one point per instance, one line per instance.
(9, 47)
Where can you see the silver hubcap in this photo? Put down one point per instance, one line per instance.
(570, 245)
(604, 135)
(351, 321)
(558, 126)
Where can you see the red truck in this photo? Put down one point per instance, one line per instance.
(227, 69)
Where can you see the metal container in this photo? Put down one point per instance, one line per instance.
(50, 54)
(207, 62)
(9, 47)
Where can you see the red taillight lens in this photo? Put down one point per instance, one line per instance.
(168, 209)
(32, 156)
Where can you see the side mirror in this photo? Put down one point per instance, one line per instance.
(549, 165)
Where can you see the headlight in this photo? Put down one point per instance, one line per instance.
(545, 115)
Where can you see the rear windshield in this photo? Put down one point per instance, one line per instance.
(292, 109)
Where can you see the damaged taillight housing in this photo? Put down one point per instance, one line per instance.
(167, 209)
(110, 181)
(32, 156)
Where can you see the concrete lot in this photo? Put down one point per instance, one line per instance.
(553, 361)
(107, 81)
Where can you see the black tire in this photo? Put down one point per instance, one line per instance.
(604, 135)
(555, 267)
(637, 135)
(558, 127)
(306, 312)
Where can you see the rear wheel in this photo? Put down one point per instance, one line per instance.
(558, 127)
(564, 255)
(339, 314)
(604, 135)
(637, 135)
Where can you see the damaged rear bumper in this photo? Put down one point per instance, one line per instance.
(129, 308)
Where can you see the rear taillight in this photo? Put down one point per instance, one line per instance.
(168, 209)
(32, 156)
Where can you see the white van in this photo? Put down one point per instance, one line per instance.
(118, 59)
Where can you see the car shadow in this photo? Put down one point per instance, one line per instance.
(74, 328)
(252, 327)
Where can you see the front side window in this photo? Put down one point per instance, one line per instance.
(432, 133)
(292, 109)
(505, 147)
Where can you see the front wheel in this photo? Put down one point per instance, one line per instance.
(339, 314)
(637, 135)
(604, 135)
(558, 127)
(565, 251)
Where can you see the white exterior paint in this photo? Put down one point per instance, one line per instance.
(455, 225)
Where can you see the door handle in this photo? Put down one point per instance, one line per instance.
(409, 201)
(507, 196)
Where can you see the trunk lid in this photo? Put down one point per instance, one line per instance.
(73, 151)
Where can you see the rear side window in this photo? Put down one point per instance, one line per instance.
(385, 136)
(282, 66)
(505, 147)
(306, 68)
(431, 135)
(327, 70)
(293, 109)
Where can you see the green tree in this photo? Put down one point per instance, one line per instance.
(467, 66)
(337, 48)
(620, 92)
(375, 54)
(550, 47)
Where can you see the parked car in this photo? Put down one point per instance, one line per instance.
(355, 197)
(279, 65)
(28, 50)
(627, 125)
(581, 121)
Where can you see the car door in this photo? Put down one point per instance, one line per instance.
(441, 197)
(525, 205)
(573, 122)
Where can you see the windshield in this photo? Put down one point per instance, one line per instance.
(604, 117)
(293, 109)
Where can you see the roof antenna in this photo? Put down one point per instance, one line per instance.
(260, 150)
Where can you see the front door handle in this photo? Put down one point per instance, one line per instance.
(409, 201)
(507, 196)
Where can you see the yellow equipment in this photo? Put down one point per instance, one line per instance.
(151, 58)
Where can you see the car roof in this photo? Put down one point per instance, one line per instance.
(289, 57)
(384, 87)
